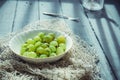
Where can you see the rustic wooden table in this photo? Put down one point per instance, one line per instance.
(100, 29)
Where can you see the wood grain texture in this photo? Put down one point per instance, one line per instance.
(7, 13)
(100, 29)
(27, 12)
(107, 28)
(84, 30)
(49, 6)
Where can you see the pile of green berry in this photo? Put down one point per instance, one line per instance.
(44, 45)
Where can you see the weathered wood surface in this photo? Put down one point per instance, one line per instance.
(100, 29)
(106, 26)
(7, 13)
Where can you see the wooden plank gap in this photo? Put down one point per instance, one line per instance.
(38, 10)
(27, 12)
(14, 16)
(113, 72)
(62, 13)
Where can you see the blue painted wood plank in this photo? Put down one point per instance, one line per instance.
(74, 9)
(7, 13)
(83, 29)
(49, 6)
(107, 27)
(27, 12)
(108, 36)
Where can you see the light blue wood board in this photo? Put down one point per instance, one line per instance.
(49, 6)
(107, 28)
(83, 29)
(19, 14)
(27, 12)
(7, 13)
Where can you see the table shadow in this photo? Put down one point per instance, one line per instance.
(2, 2)
(101, 14)
(97, 15)
(106, 48)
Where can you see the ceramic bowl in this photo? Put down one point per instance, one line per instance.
(19, 39)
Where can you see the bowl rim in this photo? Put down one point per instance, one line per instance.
(21, 33)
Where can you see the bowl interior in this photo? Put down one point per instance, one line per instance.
(19, 39)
